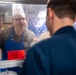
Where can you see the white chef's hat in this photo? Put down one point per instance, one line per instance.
(17, 10)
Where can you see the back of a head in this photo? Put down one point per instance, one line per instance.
(63, 8)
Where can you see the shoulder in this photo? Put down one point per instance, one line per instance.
(7, 30)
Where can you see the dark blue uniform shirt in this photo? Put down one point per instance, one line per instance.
(53, 56)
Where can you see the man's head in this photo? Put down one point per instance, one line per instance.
(19, 21)
(58, 10)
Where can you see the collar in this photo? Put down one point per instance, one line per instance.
(67, 29)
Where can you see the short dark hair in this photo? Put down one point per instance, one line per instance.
(63, 8)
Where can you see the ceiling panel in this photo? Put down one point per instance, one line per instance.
(27, 1)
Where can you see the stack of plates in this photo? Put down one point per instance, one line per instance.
(11, 63)
(8, 73)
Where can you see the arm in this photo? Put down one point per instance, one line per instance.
(32, 39)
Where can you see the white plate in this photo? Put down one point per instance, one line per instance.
(8, 73)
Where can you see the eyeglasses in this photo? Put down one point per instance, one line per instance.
(19, 19)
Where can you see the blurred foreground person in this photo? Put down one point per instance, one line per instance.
(56, 55)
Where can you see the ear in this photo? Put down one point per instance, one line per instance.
(50, 13)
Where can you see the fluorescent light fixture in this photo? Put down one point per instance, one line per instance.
(6, 2)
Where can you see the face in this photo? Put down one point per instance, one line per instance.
(49, 21)
(19, 21)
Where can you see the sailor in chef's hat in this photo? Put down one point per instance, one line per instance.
(15, 45)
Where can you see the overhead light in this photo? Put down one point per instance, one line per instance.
(6, 2)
